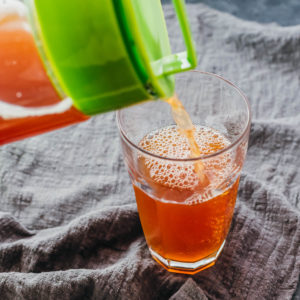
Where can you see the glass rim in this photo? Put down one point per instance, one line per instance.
(201, 157)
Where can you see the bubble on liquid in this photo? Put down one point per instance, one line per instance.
(168, 142)
(8, 63)
(19, 94)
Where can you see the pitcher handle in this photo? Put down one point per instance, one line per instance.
(181, 61)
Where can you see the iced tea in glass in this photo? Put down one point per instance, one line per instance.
(186, 215)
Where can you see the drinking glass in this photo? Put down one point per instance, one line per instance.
(186, 224)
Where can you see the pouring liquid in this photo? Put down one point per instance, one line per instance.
(187, 129)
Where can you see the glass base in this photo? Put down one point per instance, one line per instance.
(187, 267)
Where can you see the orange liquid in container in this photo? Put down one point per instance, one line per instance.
(183, 220)
(29, 104)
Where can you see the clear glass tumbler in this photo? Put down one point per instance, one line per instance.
(185, 221)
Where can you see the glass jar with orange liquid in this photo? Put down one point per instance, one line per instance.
(29, 102)
(186, 202)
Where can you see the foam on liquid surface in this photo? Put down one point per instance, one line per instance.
(12, 7)
(9, 111)
(13, 15)
(170, 143)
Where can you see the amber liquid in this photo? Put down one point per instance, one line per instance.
(185, 217)
(24, 82)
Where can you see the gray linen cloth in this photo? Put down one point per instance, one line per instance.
(69, 227)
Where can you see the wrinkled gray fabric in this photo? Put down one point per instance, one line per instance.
(69, 226)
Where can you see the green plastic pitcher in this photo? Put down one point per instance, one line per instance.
(108, 54)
